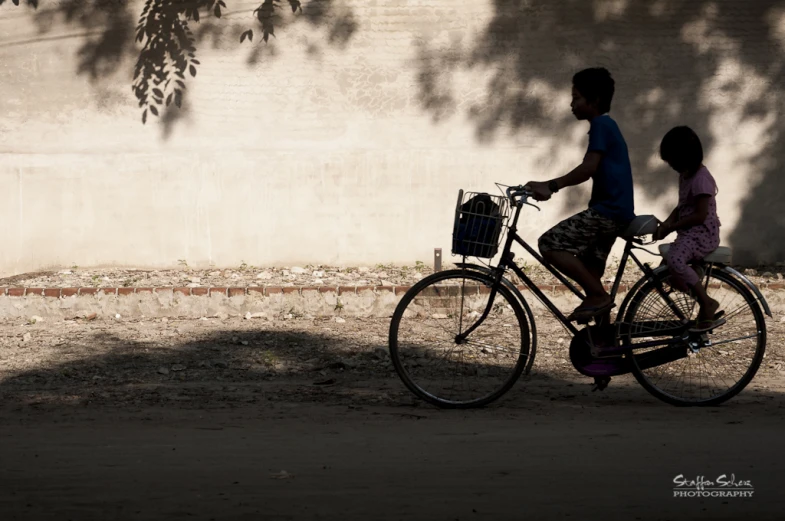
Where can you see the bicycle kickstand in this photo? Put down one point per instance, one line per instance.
(601, 382)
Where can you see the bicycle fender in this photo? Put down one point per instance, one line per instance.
(747, 282)
(752, 287)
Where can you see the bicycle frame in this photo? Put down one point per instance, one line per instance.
(507, 262)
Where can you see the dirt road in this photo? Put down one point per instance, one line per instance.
(183, 420)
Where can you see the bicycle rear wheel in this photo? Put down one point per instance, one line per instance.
(705, 369)
(423, 344)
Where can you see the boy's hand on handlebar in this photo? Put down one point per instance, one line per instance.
(539, 190)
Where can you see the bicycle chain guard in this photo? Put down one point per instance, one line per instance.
(588, 365)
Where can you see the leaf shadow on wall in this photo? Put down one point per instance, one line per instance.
(716, 67)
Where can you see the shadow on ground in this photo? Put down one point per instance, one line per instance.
(235, 367)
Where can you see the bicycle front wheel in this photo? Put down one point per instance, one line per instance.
(452, 373)
(706, 369)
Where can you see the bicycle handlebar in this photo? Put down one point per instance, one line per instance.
(518, 191)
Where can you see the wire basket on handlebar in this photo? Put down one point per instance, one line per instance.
(478, 224)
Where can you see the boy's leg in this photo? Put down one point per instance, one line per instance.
(595, 259)
(585, 235)
(573, 267)
(596, 269)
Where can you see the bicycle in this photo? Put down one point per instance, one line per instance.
(652, 335)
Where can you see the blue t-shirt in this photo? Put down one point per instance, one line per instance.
(611, 194)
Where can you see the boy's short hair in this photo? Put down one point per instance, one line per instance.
(596, 84)
(681, 148)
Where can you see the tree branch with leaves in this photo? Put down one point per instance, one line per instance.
(168, 52)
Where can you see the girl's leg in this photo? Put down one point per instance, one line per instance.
(683, 251)
(682, 275)
(708, 306)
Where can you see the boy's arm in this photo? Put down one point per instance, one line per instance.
(578, 175)
(582, 172)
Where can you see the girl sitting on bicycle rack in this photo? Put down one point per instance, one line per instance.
(694, 219)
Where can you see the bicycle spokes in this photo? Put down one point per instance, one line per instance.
(453, 344)
(707, 367)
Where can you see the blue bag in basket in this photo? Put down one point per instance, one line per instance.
(476, 230)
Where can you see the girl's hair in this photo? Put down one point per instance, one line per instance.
(681, 148)
(596, 84)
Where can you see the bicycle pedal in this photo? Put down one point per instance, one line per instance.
(601, 383)
(583, 321)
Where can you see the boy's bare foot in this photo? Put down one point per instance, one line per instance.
(591, 307)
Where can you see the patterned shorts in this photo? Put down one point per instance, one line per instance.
(587, 235)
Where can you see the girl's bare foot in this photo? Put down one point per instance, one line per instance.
(708, 317)
(708, 311)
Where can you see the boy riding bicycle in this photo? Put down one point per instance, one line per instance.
(579, 246)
